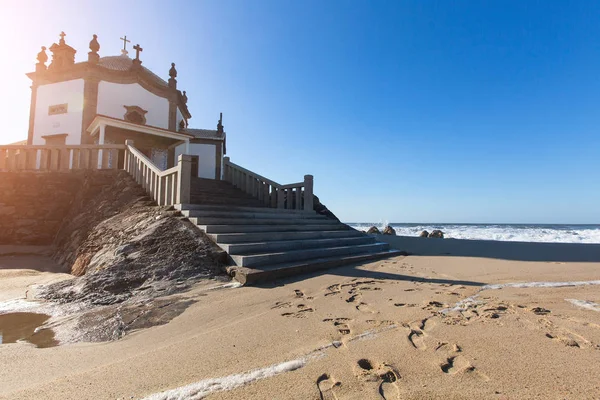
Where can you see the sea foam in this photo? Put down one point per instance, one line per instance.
(200, 390)
(501, 232)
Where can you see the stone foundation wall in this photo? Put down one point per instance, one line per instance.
(33, 205)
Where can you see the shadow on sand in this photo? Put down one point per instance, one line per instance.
(352, 271)
(513, 251)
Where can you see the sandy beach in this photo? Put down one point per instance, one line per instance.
(372, 331)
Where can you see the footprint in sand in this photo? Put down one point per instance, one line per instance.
(540, 311)
(333, 289)
(352, 298)
(388, 389)
(455, 364)
(417, 333)
(301, 313)
(434, 306)
(416, 338)
(281, 304)
(386, 374)
(299, 293)
(327, 387)
(364, 307)
(405, 305)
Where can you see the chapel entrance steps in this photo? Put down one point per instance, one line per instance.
(214, 192)
(268, 243)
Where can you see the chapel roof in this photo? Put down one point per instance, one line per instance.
(123, 63)
(204, 133)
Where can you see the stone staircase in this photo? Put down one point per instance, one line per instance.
(268, 243)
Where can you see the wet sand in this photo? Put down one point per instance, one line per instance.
(371, 331)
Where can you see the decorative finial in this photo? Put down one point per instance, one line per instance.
(62, 38)
(93, 56)
(220, 124)
(185, 98)
(124, 52)
(42, 57)
(94, 45)
(173, 75)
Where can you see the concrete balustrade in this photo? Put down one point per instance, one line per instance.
(294, 196)
(59, 158)
(165, 187)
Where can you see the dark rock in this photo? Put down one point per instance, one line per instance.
(389, 231)
(320, 208)
(374, 230)
(424, 234)
(437, 234)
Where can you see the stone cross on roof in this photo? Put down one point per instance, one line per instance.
(125, 41)
(137, 62)
(137, 49)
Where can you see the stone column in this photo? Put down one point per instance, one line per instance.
(184, 163)
(308, 193)
(101, 137)
(90, 107)
(32, 106)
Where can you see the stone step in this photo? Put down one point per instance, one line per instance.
(249, 276)
(275, 220)
(227, 201)
(231, 238)
(210, 207)
(265, 259)
(289, 245)
(252, 215)
(270, 228)
(229, 190)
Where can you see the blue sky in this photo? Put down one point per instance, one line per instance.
(405, 111)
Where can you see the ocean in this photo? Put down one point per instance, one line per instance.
(548, 233)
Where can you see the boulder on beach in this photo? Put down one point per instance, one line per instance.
(424, 234)
(374, 230)
(437, 234)
(389, 231)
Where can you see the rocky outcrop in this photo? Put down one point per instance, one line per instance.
(120, 244)
(437, 234)
(424, 234)
(320, 208)
(389, 231)
(374, 230)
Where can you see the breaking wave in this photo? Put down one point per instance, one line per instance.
(501, 232)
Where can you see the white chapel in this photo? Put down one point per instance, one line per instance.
(107, 100)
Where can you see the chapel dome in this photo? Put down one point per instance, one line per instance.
(123, 63)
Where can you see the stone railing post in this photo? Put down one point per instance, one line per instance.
(308, 193)
(184, 162)
(126, 156)
(226, 170)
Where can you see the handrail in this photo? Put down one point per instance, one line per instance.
(146, 160)
(168, 187)
(257, 176)
(293, 196)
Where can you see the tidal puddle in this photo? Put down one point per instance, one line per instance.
(23, 326)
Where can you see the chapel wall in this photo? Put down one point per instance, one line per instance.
(207, 158)
(59, 110)
(112, 97)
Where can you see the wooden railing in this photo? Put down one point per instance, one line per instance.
(294, 196)
(60, 158)
(165, 187)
